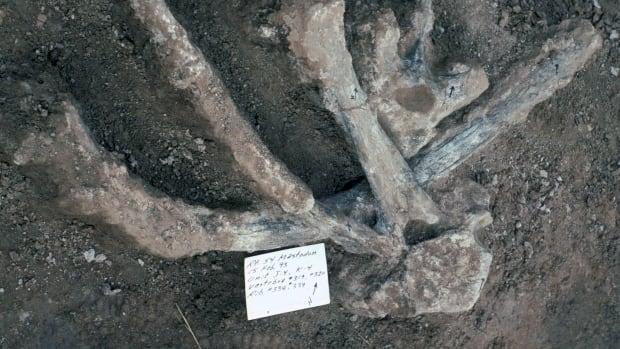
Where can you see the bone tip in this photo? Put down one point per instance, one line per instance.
(301, 205)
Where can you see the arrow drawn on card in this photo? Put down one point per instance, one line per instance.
(315, 286)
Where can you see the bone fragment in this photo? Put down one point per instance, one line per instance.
(90, 183)
(574, 43)
(317, 38)
(393, 69)
(566, 52)
(188, 70)
(445, 274)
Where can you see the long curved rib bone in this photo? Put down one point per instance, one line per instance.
(188, 70)
(91, 183)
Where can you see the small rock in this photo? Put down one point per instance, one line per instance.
(50, 259)
(167, 161)
(544, 209)
(268, 32)
(353, 318)
(1, 290)
(91, 256)
(141, 262)
(614, 71)
(41, 19)
(23, 315)
(559, 179)
(216, 267)
(518, 225)
(614, 35)
(108, 291)
(529, 249)
(495, 181)
(186, 154)
(543, 174)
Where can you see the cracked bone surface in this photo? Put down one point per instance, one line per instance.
(571, 45)
(316, 36)
(569, 48)
(444, 274)
(407, 98)
(92, 184)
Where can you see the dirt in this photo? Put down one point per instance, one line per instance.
(555, 182)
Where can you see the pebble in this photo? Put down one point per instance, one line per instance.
(50, 259)
(529, 248)
(1, 290)
(23, 315)
(543, 174)
(614, 71)
(168, 161)
(41, 19)
(141, 262)
(614, 35)
(108, 291)
(268, 32)
(91, 256)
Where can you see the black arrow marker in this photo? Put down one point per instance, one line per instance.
(315, 286)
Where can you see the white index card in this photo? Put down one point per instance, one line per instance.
(287, 280)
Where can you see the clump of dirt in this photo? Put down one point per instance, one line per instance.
(554, 179)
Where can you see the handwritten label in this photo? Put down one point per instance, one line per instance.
(287, 280)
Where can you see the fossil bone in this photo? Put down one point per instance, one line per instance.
(317, 38)
(570, 46)
(443, 274)
(187, 70)
(407, 98)
(92, 184)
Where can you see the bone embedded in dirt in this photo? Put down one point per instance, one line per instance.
(188, 70)
(408, 99)
(573, 44)
(91, 184)
(447, 274)
(317, 38)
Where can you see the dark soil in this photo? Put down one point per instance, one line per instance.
(555, 182)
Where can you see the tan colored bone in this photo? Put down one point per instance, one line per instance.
(445, 274)
(92, 184)
(188, 70)
(407, 98)
(317, 38)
